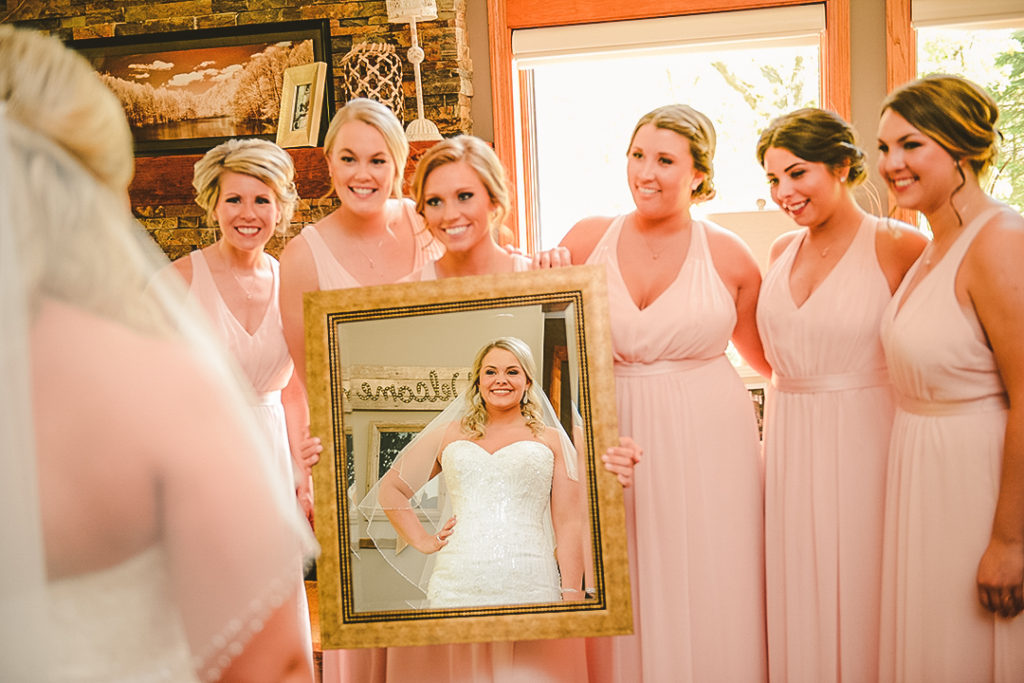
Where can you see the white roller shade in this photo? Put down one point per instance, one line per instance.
(776, 26)
(985, 13)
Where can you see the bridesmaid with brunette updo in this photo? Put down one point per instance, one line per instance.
(830, 410)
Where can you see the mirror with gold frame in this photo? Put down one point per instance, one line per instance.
(381, 363)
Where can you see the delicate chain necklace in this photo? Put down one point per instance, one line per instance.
(823, 252)
(655, 255)
(373, 263)
(249, 293)
(929, 251)
(359, 245)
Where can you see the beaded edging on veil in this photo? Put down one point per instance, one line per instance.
(228, 565)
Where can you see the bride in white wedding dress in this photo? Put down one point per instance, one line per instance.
(143, 538)
(515, 535)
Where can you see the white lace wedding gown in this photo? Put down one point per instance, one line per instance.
(501, 550)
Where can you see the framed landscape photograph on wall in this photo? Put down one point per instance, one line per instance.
(187, 91)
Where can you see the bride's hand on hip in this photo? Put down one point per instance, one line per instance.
(440, 539)
(620, 460)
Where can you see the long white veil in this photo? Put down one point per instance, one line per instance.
(233, 543)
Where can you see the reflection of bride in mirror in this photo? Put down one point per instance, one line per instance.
(515, 533)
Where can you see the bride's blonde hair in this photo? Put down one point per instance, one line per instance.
(72, 149)
(474, 422)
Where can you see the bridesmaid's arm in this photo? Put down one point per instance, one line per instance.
(738, 269)
(622, 459)
(305, 449)
(558, 257)
(897, 246)
(298, 276)
(995, 285)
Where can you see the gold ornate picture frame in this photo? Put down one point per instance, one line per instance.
(302, 101)
(562, 314)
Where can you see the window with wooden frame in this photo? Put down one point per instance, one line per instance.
(507, 17)
(982, 41)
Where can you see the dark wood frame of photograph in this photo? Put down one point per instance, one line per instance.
(227, 63)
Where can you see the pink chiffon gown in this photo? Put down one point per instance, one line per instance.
(695, 514)
(264, 359)
(945, 462)
(826, 441)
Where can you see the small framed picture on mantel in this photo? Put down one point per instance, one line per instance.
(302, 100)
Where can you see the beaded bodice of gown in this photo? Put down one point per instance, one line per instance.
(501, 550)
(118, 624)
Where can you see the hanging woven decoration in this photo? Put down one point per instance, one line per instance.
(373, 70)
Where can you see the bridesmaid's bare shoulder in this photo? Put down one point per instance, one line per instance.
(781, 243)
(584, 236)
(733, 258)
(183, 267)
(897, 246)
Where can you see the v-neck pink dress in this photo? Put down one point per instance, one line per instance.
(945, 463)
(695, 513)
(826, 441)
(264, 359)
(262, 356)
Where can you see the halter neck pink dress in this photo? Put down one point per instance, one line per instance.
(826, 443)
(695, 513)
(945, 461)
(332, 275)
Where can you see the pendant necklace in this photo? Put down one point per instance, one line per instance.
(249, 293)
(655, 255)
(380, 243)
(822, 252)
(928, 250)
